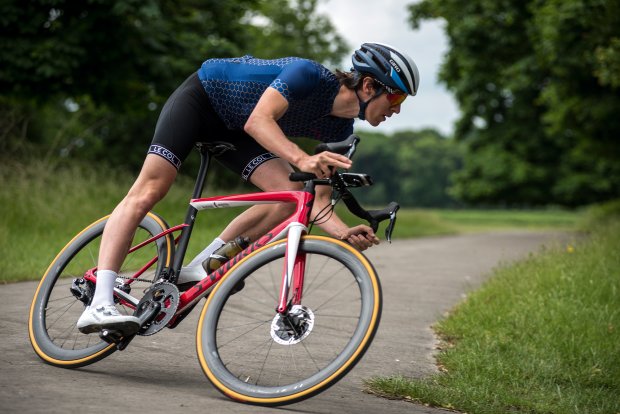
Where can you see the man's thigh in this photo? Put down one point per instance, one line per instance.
(272, 175)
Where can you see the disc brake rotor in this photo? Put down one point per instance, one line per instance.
(293, 327)
(166, 296)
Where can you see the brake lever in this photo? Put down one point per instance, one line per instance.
(390, 227)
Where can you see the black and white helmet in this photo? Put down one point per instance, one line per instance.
(392, 68)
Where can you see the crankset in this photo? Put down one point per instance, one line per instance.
(157, 307)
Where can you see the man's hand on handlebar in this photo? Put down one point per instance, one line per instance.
(319, 164)
(361, 237)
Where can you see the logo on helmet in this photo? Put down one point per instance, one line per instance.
(395, 65)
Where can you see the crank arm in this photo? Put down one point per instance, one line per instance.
(126, 297)
(147, 312)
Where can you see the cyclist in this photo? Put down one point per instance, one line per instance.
(252, 105)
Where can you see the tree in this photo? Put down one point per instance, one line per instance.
(413, 168)
(121, 53)
(88, 78)
(292, 28)
(577, 42)
(537, 87)
(108, 64)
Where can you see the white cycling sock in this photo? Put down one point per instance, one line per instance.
(208, 251)
(104, 288)
(194, 271)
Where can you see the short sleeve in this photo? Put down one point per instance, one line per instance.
(297, 80)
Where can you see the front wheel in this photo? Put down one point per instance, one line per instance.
(255, 355)
(63, 293)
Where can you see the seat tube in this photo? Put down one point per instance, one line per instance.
(190, 216)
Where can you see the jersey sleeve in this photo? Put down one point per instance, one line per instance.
(297, 80)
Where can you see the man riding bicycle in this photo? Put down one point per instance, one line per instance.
(252, 105)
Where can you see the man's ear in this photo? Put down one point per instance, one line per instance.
(368, 86)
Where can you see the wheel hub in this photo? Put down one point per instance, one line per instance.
(292, 327)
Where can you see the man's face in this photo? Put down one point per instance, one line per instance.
(381, 108)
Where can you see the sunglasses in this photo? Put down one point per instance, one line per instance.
(396, 99)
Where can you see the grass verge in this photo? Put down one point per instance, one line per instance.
(541, 336)
(42, 206)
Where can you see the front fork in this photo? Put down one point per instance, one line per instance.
(294, 269)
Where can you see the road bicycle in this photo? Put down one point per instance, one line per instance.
(284, 319)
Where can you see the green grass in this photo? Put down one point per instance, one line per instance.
(482, 220)
(542, 336)
(43, 206)
(436, 222)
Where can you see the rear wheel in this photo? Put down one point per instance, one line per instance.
(63, 294)
(255, 355)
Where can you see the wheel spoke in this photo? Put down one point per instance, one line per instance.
(335, 295)
(53, 328)
(285, 355)
(228, 342)
(69, 306)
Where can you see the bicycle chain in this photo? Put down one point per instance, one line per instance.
(137, 279)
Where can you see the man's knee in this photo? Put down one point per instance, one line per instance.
(143, 200)
(153, 183)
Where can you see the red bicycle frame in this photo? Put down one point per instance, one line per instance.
(292, 229)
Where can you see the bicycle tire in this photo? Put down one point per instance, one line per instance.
(55, 310)
(248, 364)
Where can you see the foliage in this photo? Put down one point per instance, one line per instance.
(292, 28)
(122, 53)
(537, 83)
(600, 214)
(413, 168)
(87, 79)
(43, 205)
(540, 337)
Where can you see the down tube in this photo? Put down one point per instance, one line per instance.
(297, 222)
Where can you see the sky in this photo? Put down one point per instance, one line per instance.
(385, 21)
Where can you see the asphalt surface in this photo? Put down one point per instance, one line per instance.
(422, 280)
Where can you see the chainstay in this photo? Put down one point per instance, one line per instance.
(137, 279)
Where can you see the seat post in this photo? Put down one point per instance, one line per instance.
(190, 216)
(205, 159)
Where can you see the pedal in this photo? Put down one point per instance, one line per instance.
(119, 338)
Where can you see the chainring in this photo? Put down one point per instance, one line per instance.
(167, 296)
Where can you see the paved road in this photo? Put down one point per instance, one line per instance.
(422, 279)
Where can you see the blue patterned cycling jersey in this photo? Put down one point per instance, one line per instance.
(235, 85)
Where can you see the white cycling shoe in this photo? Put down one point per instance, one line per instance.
(95, 319)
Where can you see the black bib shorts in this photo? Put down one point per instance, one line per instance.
(188, 117)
